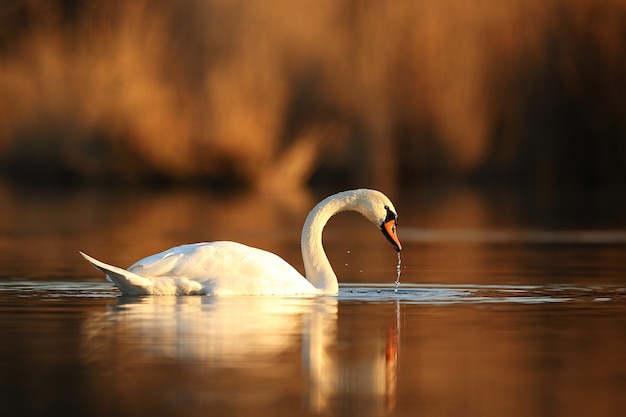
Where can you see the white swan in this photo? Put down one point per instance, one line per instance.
(229, 268)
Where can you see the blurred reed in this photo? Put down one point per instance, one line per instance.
(278, 95)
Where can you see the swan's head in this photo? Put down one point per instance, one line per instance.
(380, 210)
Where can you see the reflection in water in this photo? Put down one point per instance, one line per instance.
(368, 378)
(200, 329)
(475, 350)
(250, 336)
(391, 360)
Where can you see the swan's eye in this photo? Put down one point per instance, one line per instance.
(390, 215)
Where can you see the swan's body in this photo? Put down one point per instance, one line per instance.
(229, 268)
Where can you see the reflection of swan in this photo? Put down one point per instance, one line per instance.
(202, 329)
(348, 369)
(226, 268)
(246, 347)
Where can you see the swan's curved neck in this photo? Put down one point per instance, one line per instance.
(316, 264)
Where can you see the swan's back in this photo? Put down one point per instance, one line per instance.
(226, 268)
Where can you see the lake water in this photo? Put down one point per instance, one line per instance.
(504, 308)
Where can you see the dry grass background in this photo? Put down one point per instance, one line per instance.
(275, 94)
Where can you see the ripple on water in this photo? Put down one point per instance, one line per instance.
(58, 289)
(476, 294)
(360, 292)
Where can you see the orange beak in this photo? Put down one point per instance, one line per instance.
(389, 230)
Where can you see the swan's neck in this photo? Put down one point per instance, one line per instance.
(316, 265)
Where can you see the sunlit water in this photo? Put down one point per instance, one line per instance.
(488, 322)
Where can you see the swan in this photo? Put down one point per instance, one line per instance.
(230, 268)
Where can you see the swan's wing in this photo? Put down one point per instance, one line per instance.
(226, 268)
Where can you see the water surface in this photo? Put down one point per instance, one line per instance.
(493, 316)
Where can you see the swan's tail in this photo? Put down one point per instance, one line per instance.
(126, 281)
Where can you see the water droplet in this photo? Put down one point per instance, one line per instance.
(399, 270)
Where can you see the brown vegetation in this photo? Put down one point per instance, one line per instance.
(260, 94)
